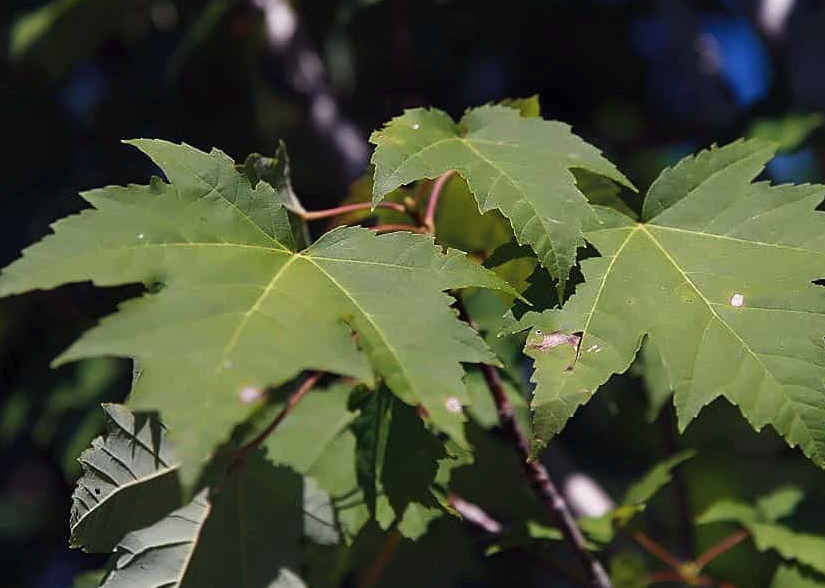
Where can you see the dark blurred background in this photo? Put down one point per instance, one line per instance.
(647, 81)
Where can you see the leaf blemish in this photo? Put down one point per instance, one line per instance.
(544, 341)
(737, 300)
(250, 394)
(453, 405)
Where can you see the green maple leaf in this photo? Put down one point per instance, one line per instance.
(233, 308)
(519, 166)
(719, 276)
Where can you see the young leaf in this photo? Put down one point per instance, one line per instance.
(762, 522)
(520, 166)
(234, 308)
(245, 532)
(602, 529)
(129, 481)
(654, 480)
(719, 276)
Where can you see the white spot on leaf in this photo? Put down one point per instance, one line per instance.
(593, 348)
(453, 405)
(140, 236)
(416, 126)
(737, 300)
(249, 394)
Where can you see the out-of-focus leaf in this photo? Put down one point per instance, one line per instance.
(60, 33)
(790, 576)
(654, 480)
(88, 579)
(197, 33)
(628, 570)
(602, 529)
(459, 224)
(762, 519)
(789, 131)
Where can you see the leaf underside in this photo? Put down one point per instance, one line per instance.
(246, 532)
(129, 481)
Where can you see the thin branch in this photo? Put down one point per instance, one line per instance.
(396, 227)
(547, 492)
(666, 576)
(291, 403)
(373, 573)
(657, 551)
(339, 210)
(676, 577)
(432, 204)
(544, 487)
(724, 545)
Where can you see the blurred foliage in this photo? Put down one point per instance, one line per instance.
(646, 82)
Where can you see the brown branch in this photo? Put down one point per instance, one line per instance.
(547, 492)
(432, 204)
(657, 551)
(666, 576)
(339, 210)
(373, 573)
(721, 547)
(545, 489)
(291, 403)
(397, 227)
